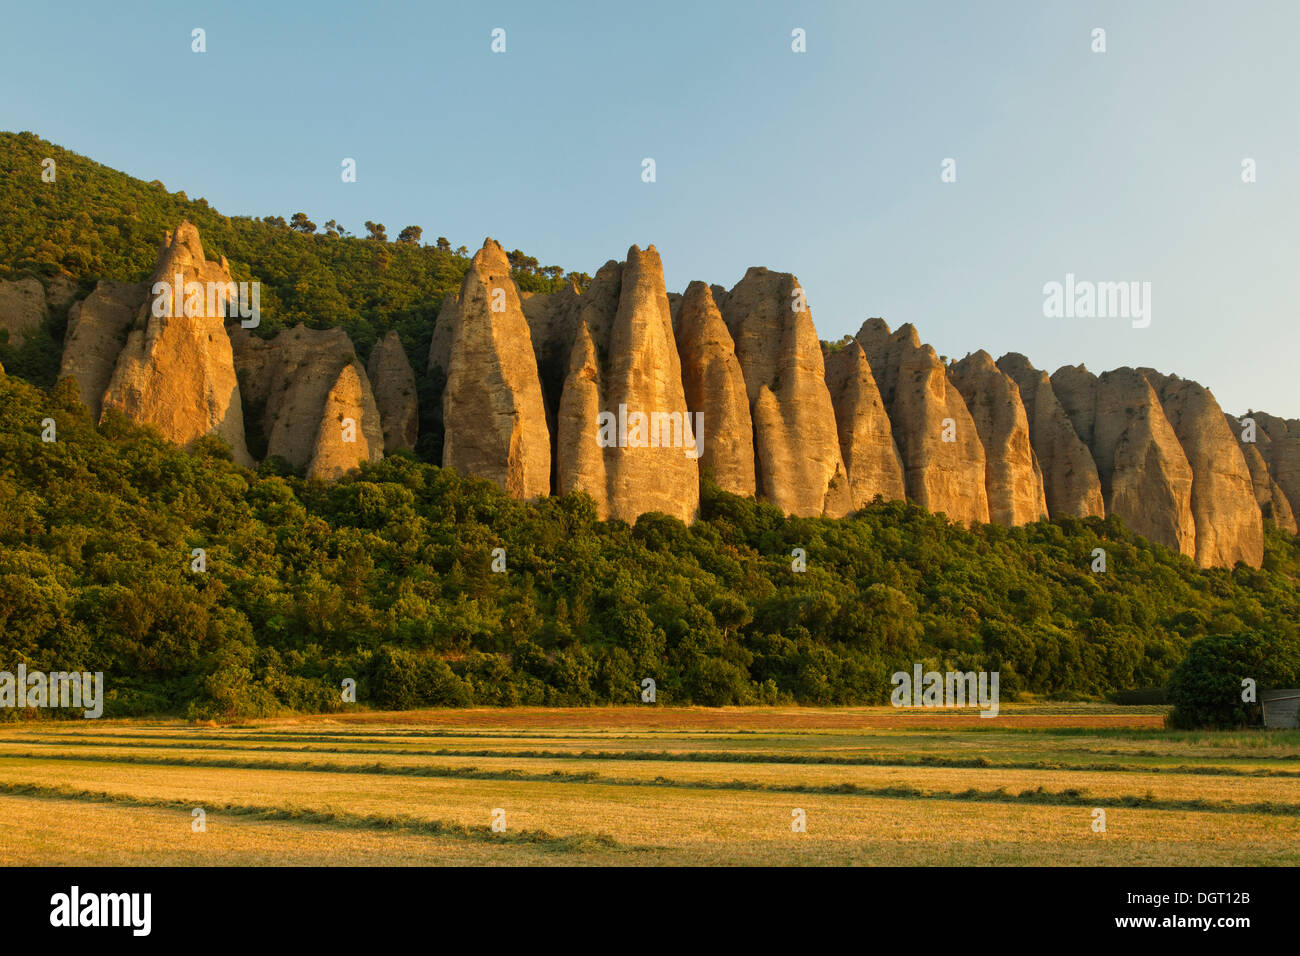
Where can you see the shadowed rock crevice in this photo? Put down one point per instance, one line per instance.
(393, 382)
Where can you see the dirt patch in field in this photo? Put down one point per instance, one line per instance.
(727, 718)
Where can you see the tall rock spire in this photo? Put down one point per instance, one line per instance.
(715, 388)
(1070, 480)
(177, 370)
(1229, 524)
(866, 436)
(582, 333)
(341, 444)
(581, 460)
(943, 458)
(1145, 476)
(645, 377)
(1013, 478)
(493, 416)
(798, 464)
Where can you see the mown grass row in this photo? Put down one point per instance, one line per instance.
(746, 739)
(1258, 739)
(1067, 797)
(713, 756)
(582, 842)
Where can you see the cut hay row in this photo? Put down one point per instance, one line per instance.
(685, 756)
(1069, 796)
(439, 828)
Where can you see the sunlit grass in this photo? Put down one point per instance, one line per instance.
(711, 787)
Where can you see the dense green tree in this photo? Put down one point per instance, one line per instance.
(1208, 688)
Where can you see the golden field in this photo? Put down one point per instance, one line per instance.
(637, 787)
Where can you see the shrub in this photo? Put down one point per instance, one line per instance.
(1140, 696)
(1206, 687)
(400, 680)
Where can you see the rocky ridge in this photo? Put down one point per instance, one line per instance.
(528, 391)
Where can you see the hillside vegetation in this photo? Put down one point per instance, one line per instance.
(387, 578)
(94, 222)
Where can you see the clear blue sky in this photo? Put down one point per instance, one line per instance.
(1117, 166)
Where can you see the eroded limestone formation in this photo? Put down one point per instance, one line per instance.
(176, 371)
(97, 328)
(798, 463)
(1013, 478)
(866, 437)
(1070, 482)
(943, 458)
(1229, 524)
(393, 382)
(715, 389)
(493, 417)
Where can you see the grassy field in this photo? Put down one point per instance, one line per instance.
(628, 786)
